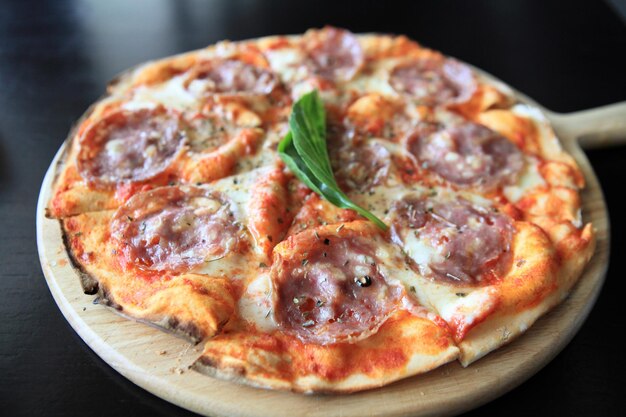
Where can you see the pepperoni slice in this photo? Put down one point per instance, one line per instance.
(361, 167)
(175, 228)
(334, 54)
(230, 76)
(467, 154)
(468, 244)
(328, 287)
(434, 81)
(130, 146)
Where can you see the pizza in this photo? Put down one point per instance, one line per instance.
(177, 209)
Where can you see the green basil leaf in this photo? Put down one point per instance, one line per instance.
(308, 127)
(304, 151)
(290, 157)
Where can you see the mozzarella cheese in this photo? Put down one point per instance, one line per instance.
(529, 180)
(171, 93)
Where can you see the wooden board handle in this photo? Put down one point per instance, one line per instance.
(594, 128)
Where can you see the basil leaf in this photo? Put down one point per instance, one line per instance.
(290, 157)
(305, 152)
(308, 126)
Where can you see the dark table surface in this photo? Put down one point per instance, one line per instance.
(56, 57)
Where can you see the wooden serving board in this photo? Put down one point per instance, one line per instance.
(158, 362)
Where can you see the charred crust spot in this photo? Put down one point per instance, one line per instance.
(187, 328)
(210, 366)
(107, 300)
(208, 361)
(88, 282)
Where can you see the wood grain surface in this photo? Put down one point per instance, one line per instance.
(159, 362)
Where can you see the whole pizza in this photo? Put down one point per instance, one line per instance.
(327, 212)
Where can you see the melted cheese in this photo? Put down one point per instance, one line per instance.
(421, 252)
(376, 80)
(471, 306)
(287, 62)
(529, 180)
(237, 189)
(115, 147)
(171, 93)
(232, 266)
(255, 304)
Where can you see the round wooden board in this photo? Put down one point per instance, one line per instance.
(158, 362)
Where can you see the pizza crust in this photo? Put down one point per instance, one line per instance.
(405, 345)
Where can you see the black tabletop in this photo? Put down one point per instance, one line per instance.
(56, 57)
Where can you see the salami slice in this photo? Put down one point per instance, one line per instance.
(230, 76)
(328, 287)
(434, 81)
(454, 241)
(130, 146)
(175, 228)
(467, 154)
(361, 167)
(334, 54)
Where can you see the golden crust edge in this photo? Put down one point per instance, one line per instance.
(240, 372)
